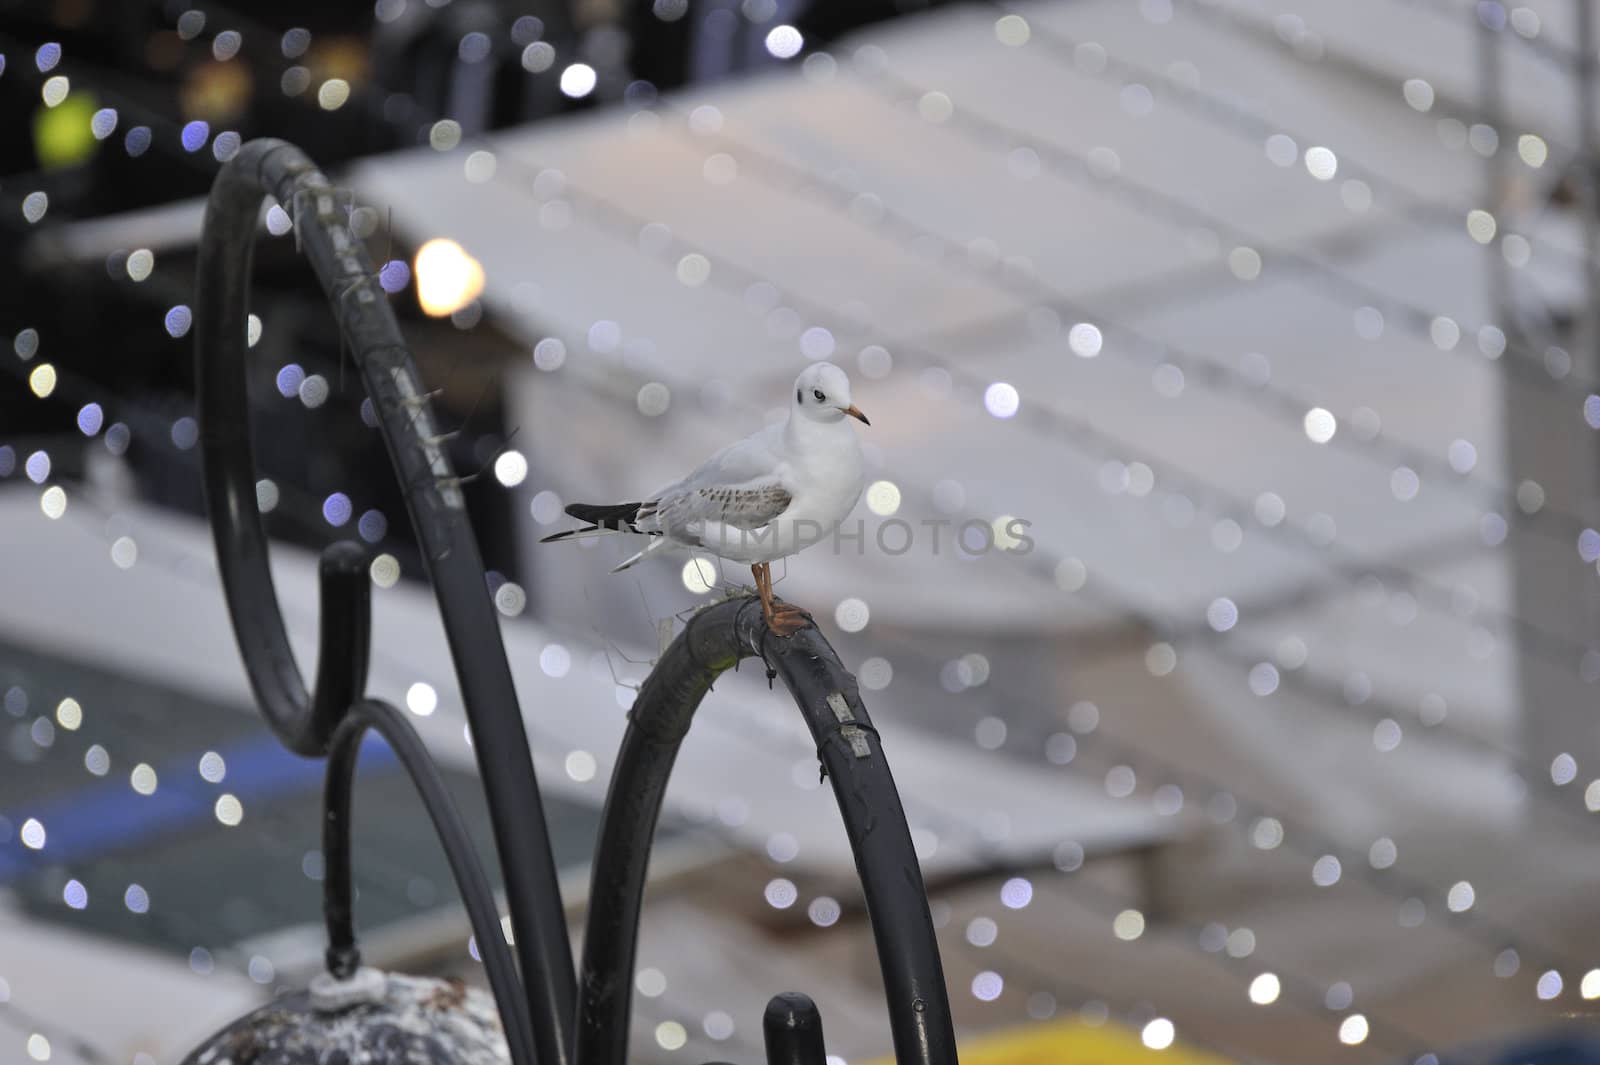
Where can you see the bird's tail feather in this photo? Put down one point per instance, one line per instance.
(657, 543)
(602, 518)
(588, 532)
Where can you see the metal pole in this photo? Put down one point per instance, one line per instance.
(847, 745)
(1588, 196)
(437, 509)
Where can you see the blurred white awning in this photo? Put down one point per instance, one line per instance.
(1168, 456)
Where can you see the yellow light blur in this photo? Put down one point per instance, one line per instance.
(69, 714)
(42, 380)
(55, 90)
(1128, 925)
(1533, 150)
(333, 94)
(699, 576)
(883, 498)
(1481, 225)
(385, 571)
(447, 277)
(228, 809)
(143, 779)
(63, 134)
(1073, 1038)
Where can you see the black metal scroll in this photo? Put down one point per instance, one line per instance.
(433, 496)
(546, 1021)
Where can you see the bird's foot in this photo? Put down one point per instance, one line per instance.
(786, 619)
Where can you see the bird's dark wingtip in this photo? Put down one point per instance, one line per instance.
(566, 534)
(608, 515)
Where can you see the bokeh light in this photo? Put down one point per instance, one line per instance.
(1158, 1034)
(784, 42)
(421, 699)
(1264, 989)
(447, 277)
(578, 80)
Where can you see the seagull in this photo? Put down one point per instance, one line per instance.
(763, 498)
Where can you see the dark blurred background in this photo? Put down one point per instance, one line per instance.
(157, 95)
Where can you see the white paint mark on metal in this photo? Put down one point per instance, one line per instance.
(852, 735)
(840, 707)
(448, 486)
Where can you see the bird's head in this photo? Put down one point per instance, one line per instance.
(822, 394)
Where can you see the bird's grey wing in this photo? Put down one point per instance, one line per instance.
(743, 484)
(750, 504)
(756, 457)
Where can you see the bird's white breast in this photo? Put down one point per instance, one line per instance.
(821, 466)
(829, 473)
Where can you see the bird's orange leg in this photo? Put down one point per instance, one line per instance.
(785, 619)
(763, 589)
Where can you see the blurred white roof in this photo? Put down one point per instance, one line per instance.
(1100, 173)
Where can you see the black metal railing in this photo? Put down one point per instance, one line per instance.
(714, 640)
(549, 1017)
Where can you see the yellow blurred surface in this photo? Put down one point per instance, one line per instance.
(1072, 1043)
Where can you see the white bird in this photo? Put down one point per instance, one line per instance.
(765, 497)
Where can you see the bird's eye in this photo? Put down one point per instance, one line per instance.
(818, 393)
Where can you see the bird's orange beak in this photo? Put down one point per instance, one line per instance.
(855, 413)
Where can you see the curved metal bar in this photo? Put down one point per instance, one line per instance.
(476, 894)
(437, 509)
(344, 630)
(713, 641)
